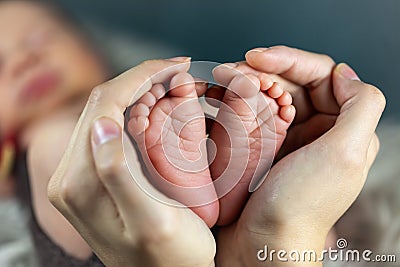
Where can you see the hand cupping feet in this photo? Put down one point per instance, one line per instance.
(170, 130)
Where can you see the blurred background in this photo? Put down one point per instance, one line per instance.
(363, 33)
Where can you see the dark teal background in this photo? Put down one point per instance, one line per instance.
(363, 33)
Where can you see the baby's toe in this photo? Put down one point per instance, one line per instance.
(158, 91)
(183, 85)
(285, 99)
(287, 113)
(275, 91)
(224, 73)
(244, 86)
(139, 120)
(151, 97)
(266, 81)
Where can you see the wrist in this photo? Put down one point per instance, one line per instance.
(273, 247)
(290, 249)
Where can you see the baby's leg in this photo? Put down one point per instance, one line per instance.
(170, 131)
(251, 127)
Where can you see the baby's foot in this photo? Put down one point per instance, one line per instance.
(170, 132)
(249, 130)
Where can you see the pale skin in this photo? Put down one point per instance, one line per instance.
(128, 216)
(34, 137)
(170, 131)
(279, 219)
(282, 220)
(257, 104)
(254, 115)
(44, 136)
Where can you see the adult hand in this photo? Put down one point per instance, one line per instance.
(93, 188)
(308, 190)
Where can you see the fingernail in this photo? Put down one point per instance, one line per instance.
(227, 66)
(346, 72)
(258, 50)
(105, 130)
(231, 65)
(180, 59)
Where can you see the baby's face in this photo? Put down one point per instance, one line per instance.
(44, 64)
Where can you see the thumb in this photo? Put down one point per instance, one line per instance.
(128, 187)
(361, 106)
(109, 161)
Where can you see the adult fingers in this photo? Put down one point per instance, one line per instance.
(76, 173)
(301, 67)
(305, 133)
(114, 96)
(133, 196)
(373, 150)
(223, 74)
(361, 108)
(109, 161)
